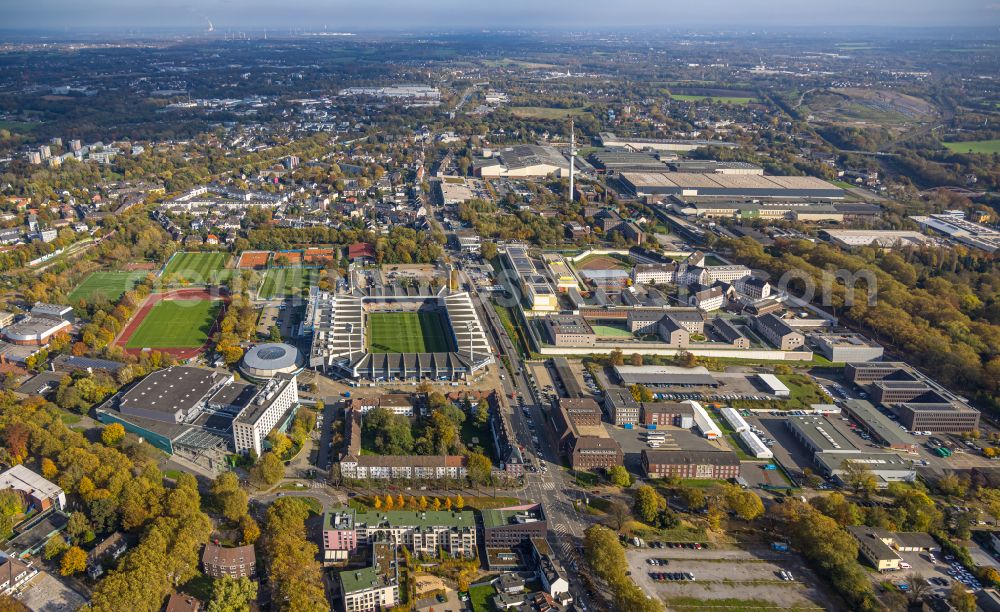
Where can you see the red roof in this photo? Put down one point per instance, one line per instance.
(360, 249)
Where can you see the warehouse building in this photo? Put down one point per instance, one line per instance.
(522, 161)
(693, 185)
(609, 139)
(665, 376)
(882, 239)
(878, 425)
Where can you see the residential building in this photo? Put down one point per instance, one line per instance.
(372, 588)
(422, 531)
(707, 298)
(551, 574)
(14, 574)
(339, 535)
(400, 404)
(109, 549)
(753, 287)
(236, 562)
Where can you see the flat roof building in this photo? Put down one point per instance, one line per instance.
(569, 330)
(693, 185)
(685, 455)
(878, 425)
(665, 376)
(842, 348)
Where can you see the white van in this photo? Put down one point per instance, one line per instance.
(904, 565)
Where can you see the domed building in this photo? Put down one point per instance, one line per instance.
(265, 360)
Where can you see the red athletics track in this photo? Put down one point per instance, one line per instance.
(152, 300)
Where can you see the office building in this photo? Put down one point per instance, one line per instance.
(685, 455)
(621, 407)
(843, 348)
(569, 330)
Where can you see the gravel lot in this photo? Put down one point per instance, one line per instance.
(729, 573)
(45, 593)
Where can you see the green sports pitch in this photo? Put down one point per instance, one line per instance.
(109, 285)
(176, 324)
(196, 268)
(407, 332)
(287, 282)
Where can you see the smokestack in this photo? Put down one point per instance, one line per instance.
(572, 156)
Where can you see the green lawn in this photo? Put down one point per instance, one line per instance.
(479, 597)
(612, 332)
(109, 285)
(693, 604)
(802, 391)
(982, 147)
(196, 268)
(723, 99)
(407, 332)
(286, 282)
(176, 324)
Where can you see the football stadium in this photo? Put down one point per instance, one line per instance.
(396, 333)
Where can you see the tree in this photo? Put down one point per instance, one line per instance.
(616, 358)
(963, 600)
(459, 502)
(49, 469)
(640, 393)
(229, 497)
(447, 504)
(437, 504)
(232, 595)
(423, 502)
(746, 504)
(295, 575)
(113, 434)
(859, 477)
(389, 502)
(74, 560)
(377, 502)
(55, 547)
(648, 503)
(619, 476)
(837, 507)
(693, 497)
(250, 529)
(635, 359)
(269, 469)
(606, 557)
(479, 468)
(77, 525)
(919, 587)
(619, 515)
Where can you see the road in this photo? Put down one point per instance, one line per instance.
(552, 486)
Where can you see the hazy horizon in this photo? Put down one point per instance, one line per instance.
(395, 15)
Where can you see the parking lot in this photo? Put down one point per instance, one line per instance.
(722, 573)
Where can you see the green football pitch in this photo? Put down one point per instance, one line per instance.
(407, 332)
(110, 285)
(196, 268)
(176, 324)
(286, 282)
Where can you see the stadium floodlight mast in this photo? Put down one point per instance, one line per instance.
(468, 329)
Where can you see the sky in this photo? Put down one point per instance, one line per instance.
(438, 15)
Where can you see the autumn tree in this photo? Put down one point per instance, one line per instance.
(229, 498)
(74, 560)
(232, 595)
(113, 434)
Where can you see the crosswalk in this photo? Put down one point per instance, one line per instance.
(549, 485)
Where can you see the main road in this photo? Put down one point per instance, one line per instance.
(551, 485)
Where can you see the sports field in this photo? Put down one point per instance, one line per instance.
(983, 147)
(407, 332)
(196, 268)
(608, 331)
(286, 282)
(176, 324)
(110, 285)
(722, 99)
